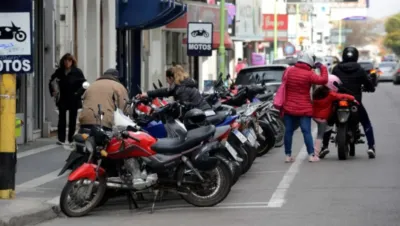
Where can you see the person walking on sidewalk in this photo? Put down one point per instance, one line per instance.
(69, 79)
(297, 108)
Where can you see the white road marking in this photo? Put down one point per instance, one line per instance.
(278, 197)
(36, 151)
(38, 181)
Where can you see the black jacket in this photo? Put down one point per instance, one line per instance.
(186, 92)
(70, 87)
(353, 78)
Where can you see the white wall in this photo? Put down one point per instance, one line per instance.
(88, 34)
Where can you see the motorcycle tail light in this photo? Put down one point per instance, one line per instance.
(343, 103)
(235, 125)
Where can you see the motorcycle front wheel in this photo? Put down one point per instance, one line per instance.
(213, 190)
(73, 201)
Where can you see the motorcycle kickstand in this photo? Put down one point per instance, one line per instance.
(131, 200)
(156, 192)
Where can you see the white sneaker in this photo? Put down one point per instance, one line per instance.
(371, 153)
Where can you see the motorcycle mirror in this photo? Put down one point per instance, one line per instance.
(154, 85)
(85, 85)
(160, 83)
(140, 90)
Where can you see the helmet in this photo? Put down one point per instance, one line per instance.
(350, 54)
(307, 57)
(331, 82)
(194, 118)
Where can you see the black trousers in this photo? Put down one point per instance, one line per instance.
(62, 123)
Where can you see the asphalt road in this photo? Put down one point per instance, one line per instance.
(356, 192)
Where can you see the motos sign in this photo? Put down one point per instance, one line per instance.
(199, 39)
(200, 46)
(15, 66)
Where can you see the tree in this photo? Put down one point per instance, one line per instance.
(392, 39)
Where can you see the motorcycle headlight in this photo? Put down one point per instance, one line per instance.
(89, 144)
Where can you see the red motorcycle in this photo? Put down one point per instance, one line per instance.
(137, 162)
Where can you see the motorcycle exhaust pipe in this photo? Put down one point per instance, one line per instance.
(117, 185)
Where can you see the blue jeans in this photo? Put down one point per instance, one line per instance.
(291, 124)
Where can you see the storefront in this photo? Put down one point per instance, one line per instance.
(174, 44)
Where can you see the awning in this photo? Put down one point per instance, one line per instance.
(216, 40)
(148, 14)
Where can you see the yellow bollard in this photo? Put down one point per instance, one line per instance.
(7, 136)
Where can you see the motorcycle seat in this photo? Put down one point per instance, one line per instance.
(217, 118)
(177, 145)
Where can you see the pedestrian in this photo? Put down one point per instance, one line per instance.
(69, 79)
(181, 87)
(239, 66)
(109, 93)
(297, 108)
(323, 98)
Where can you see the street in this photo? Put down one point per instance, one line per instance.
(355, 192)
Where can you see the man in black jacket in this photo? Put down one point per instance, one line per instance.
(354, 81)
(181, 87)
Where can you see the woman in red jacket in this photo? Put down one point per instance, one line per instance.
(297, 108)
(323, 98)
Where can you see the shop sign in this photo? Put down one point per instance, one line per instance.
(199, 39)
(268, 22)
(16, 37)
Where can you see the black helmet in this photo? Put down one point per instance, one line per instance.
(194, 118)
(350, 54)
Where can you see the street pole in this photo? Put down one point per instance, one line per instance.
(276, 29)
(7, 136)
(340, 34)
(221, 49)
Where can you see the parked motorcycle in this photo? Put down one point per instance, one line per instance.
(139, 162)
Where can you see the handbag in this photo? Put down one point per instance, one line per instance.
(280, 95)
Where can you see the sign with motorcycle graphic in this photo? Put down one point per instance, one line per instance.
(15, 42)
(200, 39)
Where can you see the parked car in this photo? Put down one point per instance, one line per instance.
(270, 75)
(288, 60)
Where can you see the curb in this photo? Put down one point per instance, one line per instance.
(32, 217)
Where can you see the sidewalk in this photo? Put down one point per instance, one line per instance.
(31, 205)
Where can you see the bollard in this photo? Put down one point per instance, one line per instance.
(7, 136)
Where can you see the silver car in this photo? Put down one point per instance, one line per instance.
(388, 70)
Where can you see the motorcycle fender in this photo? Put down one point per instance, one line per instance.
(73, 158)
(343, 116)
(86, 171)
(205, 151)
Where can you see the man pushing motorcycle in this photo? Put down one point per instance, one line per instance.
(354, 81)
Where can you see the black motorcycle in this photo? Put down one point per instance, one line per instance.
(13, 32)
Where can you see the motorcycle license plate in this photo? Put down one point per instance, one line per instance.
(251, 136)
(233, 152)
(240, 136)
(260, 130)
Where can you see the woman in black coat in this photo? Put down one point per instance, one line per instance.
(69, 79)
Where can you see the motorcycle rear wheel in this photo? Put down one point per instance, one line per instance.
(223, 186)
(65, 206)
(342, 144)
(235, 169)
(252, 154)
(269, 142)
